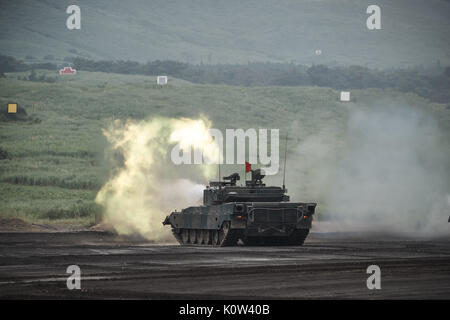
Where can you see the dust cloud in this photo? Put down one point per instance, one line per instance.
(387, 171)
(146, 187)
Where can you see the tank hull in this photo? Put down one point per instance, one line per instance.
(253, 223)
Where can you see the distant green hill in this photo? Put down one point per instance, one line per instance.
(414, 32)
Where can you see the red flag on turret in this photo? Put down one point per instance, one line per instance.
(248, 167)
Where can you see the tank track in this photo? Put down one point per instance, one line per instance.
(230, 237)
(177, 235)
(225, 237)
(297, 238)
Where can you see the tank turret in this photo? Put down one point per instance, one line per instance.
(255, 190)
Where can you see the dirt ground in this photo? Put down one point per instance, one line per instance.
(19, 225)
(328, 266)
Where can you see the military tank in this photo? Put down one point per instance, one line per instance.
(255, 214)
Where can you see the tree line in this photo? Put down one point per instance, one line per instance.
(11, 64)
(433, 85)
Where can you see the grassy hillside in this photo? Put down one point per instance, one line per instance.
(414, 32)
(55, 164)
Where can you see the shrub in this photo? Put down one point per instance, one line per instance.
(78, 210)
(3, 154)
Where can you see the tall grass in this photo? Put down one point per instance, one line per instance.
(52, 165)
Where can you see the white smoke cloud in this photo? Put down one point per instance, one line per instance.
(147, 187)
(389, 172)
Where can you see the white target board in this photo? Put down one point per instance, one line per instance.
(161, 80)
(345, 96)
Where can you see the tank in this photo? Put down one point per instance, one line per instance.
(254, 214)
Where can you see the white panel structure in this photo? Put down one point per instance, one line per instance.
(345, 96)
(161, 80)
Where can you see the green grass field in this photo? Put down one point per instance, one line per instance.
(56, 165)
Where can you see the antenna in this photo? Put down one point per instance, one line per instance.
(285, 156)
(219, 167)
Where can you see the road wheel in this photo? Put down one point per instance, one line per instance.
(224, 231)
(215, 237)
(206, 237)
(199, 237)
(192, 236)
(185, 236)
